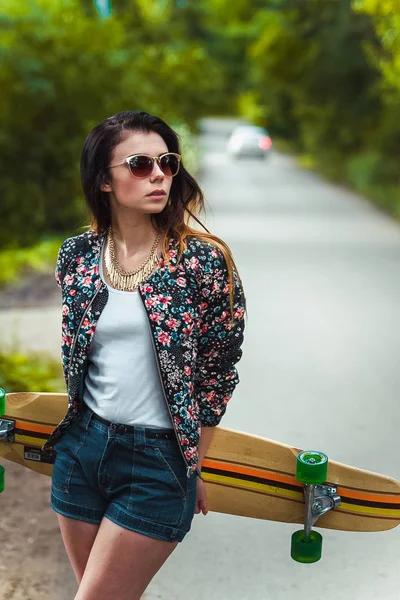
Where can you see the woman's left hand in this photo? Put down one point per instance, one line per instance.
(201, 502)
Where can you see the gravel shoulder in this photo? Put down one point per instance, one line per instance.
(35, 290)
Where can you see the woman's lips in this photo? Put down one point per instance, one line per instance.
(157, 193)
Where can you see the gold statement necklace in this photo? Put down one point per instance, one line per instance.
(128, 280)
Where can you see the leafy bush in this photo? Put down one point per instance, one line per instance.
(386, 197)
(62, 71)
(33, 373)
(41, 257)
(363, 169)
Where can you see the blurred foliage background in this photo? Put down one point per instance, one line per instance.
(33, 373)
(322, 75)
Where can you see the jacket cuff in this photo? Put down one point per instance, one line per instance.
(211, 420)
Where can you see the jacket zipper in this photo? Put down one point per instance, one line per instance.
(76, 337)
(79, 327)
(85, 313)
(74, 344)
(188, 467)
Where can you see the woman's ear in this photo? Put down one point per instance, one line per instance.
(105, 184)
(106, 187)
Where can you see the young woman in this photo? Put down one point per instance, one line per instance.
(153, 318)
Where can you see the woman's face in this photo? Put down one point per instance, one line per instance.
(131, 192)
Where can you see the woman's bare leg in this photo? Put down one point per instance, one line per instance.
(78, 538)
(121, 564)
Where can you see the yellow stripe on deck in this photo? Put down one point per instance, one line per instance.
(32, 441)
(370, 511)
(274, 490)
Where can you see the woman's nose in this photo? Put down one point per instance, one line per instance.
(156, 172)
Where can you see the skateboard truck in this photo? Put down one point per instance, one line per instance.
(7, 430)
(311, 469)
(319, 499)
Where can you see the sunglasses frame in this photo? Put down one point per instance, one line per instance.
(126, 160)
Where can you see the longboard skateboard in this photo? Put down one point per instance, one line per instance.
(245, 475)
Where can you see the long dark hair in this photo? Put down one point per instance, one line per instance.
(186, 197)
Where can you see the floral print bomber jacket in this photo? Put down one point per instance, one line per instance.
(196, 343)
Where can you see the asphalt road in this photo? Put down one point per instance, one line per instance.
(320, 370)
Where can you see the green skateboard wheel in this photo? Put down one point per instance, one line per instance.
(306, 552)
(1, 479)
(311, 467)
(2, 402)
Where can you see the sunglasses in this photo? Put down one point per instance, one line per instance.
(142, 165)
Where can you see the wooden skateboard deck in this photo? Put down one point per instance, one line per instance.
(245, 474)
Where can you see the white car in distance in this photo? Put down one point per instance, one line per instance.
(249, 140)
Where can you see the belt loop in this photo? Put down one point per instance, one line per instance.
(139, 438)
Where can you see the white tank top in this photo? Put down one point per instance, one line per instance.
(123, 382)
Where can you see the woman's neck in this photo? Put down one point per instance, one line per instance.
(132, 236)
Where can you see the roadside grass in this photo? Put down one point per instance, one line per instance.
(41, 257)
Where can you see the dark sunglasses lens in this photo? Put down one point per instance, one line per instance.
(169, 164)
(141, 166)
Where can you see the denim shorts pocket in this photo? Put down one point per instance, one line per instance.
(174, 467)
(62, 472)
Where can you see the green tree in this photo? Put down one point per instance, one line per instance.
(386, 18)
(62, 70)
(385, 57)
(312, 73)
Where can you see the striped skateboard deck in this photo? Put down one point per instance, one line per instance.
(245, 474)
(255, 477)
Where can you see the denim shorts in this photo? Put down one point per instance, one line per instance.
(136, 480)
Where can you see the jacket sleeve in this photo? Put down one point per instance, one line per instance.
(220, 341)
(62, 263)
